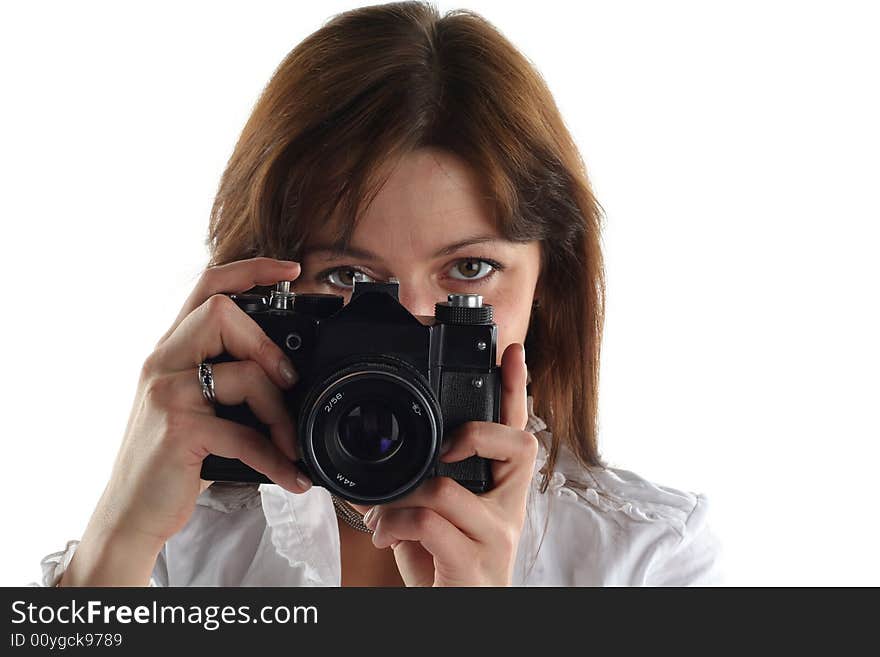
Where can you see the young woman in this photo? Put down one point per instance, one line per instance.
(393, 143)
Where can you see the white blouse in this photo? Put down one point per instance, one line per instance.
(593, 527)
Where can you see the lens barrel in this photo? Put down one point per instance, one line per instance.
(370, 431)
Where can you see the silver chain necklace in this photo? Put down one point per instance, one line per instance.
(348, 515)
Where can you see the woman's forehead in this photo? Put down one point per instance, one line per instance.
(428, 186)
(429, 201)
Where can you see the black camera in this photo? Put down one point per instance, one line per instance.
(378, 389)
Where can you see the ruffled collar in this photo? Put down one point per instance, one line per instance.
(566, 465)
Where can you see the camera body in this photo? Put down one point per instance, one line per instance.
(379, 389)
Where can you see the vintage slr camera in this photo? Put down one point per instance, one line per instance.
(379, 388)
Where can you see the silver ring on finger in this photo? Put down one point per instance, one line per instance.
(206, 379)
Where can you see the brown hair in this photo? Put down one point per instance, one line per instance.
(377, 82)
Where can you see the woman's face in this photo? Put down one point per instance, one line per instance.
(416, 230)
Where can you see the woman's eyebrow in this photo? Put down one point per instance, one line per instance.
(331, 252)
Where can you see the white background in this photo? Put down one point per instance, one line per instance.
(733, 146)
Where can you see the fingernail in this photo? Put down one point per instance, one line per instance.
(303, 482)
(394, 544)
(523, 353)
(287, 371)
(370, 516)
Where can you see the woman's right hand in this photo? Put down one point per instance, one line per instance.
(155, 480)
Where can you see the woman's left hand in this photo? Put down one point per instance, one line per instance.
(442, 534)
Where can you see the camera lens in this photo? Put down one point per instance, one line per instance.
(370, 429)
(370, 432)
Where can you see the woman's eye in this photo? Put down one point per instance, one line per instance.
(345, 277)
(472, 269)
(475, 270)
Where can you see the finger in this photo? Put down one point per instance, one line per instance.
(233, 278)
(450, 500)
(514, 406)
(237, 382)
(213, 435)
(215, 327)
(512, 453)
(435, 533)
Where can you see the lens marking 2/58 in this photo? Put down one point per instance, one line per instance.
(335, 399)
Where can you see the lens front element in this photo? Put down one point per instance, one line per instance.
(370, 432)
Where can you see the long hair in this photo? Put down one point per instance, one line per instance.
(372, 85)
